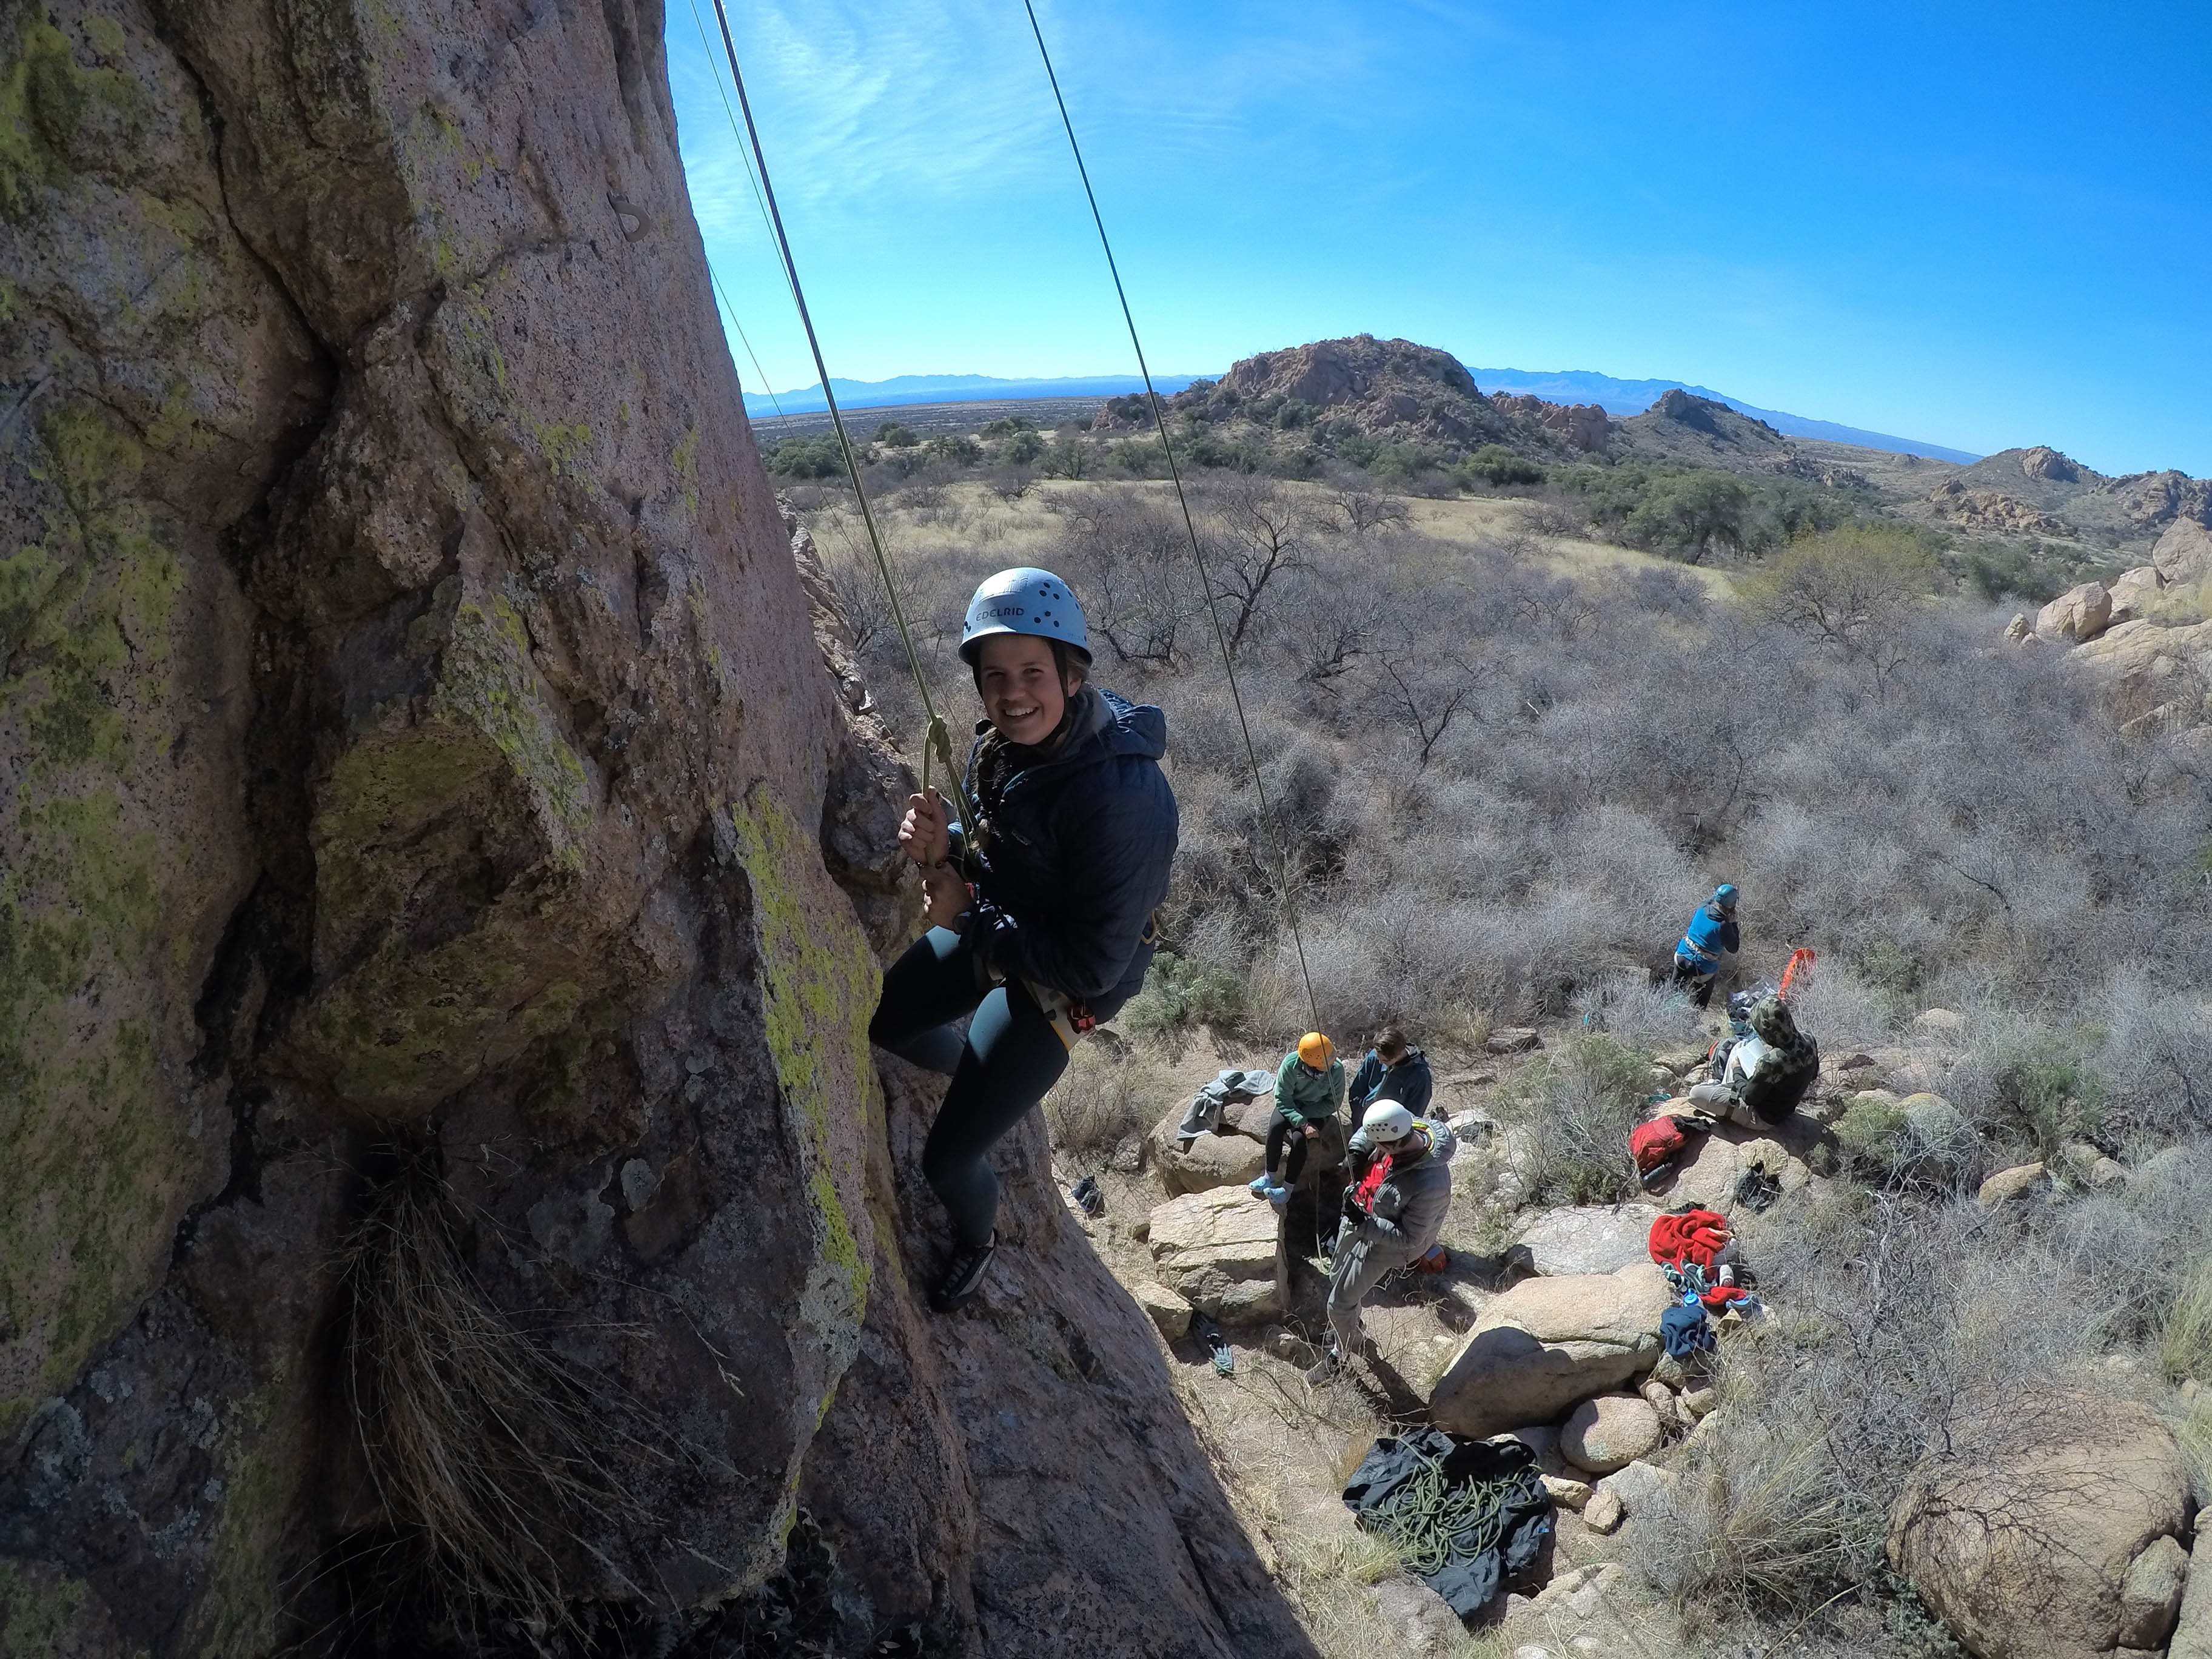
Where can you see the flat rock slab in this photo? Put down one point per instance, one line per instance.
(1547, 1345)
(1512, 1040)
(1589, 1239)
(1216, 1251)
(1711, 1165)
(1167, 1309)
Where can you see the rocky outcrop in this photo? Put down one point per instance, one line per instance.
(1389, 387)
(1216, 1251)
(2031, 1550)
(1546, 1344)
(2135, 593)
(1584, 425)
(438, 882)
(2078, 614)
(2184, 553)
(1990, 509)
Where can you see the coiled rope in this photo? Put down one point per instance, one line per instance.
(1198, 557)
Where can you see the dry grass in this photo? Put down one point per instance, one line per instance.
(2184, 1345)
(1100, 1100)
(489, 1452)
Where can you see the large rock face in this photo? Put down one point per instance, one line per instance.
(438, 882)
(2031, 1551)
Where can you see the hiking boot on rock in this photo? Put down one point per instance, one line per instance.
(962, 1279)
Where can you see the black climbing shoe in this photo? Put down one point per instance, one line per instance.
(962, 1279)
(1086, 1194)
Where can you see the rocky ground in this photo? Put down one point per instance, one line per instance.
(1616, 1424)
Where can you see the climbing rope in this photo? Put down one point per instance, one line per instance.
(937, 739)
(1429, 1520)
(1197, 556)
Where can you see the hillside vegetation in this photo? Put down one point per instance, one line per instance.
(1503, 757)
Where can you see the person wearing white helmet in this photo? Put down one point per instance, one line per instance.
(1040, 914)
(1394, 1211)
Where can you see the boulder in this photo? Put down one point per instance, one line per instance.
(1167, 1309)
(2088, 1166)
(2026, 1548)
(2184, 553)
(2080, 613)
(1638, 1485)
(2135, 593)
(1609, 1432)
(1249, 1118)
(2017, 629)
(1945, 1024)
(1546, 1344)
(1588, 1239)
(1567, 1492)
(1512, 1040)
(1603, 1511)
(1206, 1161)
(2150, 1596)
(2192, 1631)
(1711, 1167)
(1216, 1251)
(2008, 1186)
(1422, 1619)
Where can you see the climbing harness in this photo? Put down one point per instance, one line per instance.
(1190, 528)
(937, 739)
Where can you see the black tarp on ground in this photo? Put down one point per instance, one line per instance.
(1476, 1569)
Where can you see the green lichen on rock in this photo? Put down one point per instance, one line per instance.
(402, 1026)
(562, 445)
(819, 987)
(97, 1153)
(486, 682)
(87, 608)
(46, 101)
(243, 1605)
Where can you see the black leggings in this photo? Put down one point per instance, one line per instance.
(1279, 1131)
(1011, 1057)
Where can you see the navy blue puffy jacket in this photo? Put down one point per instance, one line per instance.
(1076, 859)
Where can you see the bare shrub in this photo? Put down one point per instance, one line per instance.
(1101, 1099)
(1632, 1010)
(1574, 1106)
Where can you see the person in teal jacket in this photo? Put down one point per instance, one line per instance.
(1308, 1091)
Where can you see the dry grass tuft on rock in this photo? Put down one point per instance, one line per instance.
(492, 1456)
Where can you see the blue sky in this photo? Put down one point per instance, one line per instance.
(1975, 224)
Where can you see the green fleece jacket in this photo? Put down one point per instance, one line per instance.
(1304, 1094)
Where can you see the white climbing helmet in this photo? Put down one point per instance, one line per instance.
(1026, 600)
(1387, 1122)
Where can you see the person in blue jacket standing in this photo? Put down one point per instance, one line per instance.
(1394, 1070)
(1712, 933)
(1041, 912)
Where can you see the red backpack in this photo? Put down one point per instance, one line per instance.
(1659, 1142)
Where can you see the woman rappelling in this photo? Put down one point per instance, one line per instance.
(1041, 910)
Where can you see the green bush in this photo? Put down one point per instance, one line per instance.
(1578, 1104)
(1069, 457)
(1498, 466)
(1021, 447)
(896, 434)
(806, 457)
(1179, 994)
(1007, 425)
(955, 448)
(1294, 413)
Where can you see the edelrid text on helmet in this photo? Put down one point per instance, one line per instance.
(1025, 600)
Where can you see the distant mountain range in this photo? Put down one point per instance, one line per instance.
(1580, 386)
(952, 389)
(1576, 385)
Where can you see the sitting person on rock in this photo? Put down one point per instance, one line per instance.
(1393, 1215)
(1309, 1089)
(1767, 1073)
(1712, 933)
(1394, 1070)
(1040, 913)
